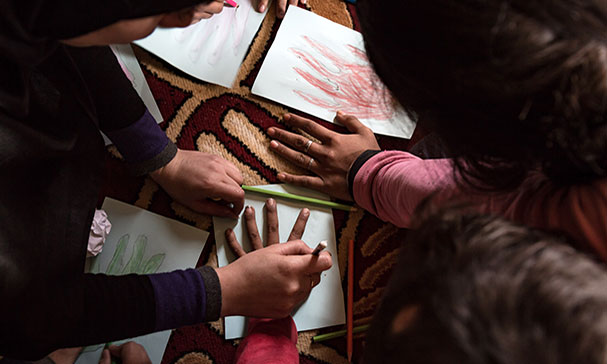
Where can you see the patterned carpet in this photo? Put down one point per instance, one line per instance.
(233, 123)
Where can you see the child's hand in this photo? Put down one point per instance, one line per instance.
(281, 6)
(271, 281)
(204, 182)
(330, 159)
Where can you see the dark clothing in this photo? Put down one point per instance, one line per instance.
(53, 100)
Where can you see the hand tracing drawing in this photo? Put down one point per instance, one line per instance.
(325, 305)
(142, 242)
(348, 83)
(320, 67)
(212, 49)
(136, 263)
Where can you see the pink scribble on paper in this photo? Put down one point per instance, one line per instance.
(348, 83)
(210, 36)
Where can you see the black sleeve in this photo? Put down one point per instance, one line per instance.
(48, 194)
(45, 360)
(91, 309)
(116, 102)
(63, 19)
(356, 166)
(212, 291)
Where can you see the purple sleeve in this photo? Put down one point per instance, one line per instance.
(144, 146)
(186, 297)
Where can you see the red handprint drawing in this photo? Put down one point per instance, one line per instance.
(350, 86)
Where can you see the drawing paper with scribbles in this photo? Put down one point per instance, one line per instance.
(212, 49)
(325, 305)
(320, 67)
(142, 242)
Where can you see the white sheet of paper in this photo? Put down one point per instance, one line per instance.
(212, 49)
(131, 68)
(320, 67)
(166, 245)
(325, 305)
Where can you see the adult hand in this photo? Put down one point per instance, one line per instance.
(129, 353)
(191, 15)
(281, 6)
(204, 182)
(270, 282)
(330, 159)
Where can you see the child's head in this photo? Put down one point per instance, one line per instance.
(478, 289)
(509, 85)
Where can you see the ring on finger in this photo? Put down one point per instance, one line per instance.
(307, 146)
(310, 163)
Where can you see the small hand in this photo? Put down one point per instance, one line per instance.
(281, 6)
(129, 353)
(203, 182)
(191, 15)
(330, 159)
(271, 281)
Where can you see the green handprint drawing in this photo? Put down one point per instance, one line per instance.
(136, 263)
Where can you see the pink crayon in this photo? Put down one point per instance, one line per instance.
(231, 3)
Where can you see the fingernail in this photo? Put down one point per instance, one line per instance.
(262, 8)
(305, 212)
(286, 116)
(340, 114)
(270, 202)
(281, 176)
(228, 231)
(303, 1)
(271, 131)
(273, 144)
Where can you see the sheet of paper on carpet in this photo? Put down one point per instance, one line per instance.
(131, 68)
(142, 242)
(325, 305)
(320, 67)
(212, 49)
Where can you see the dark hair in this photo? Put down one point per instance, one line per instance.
(510, 86)
(479, 289)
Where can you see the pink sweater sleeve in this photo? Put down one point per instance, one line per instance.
(391, 185)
